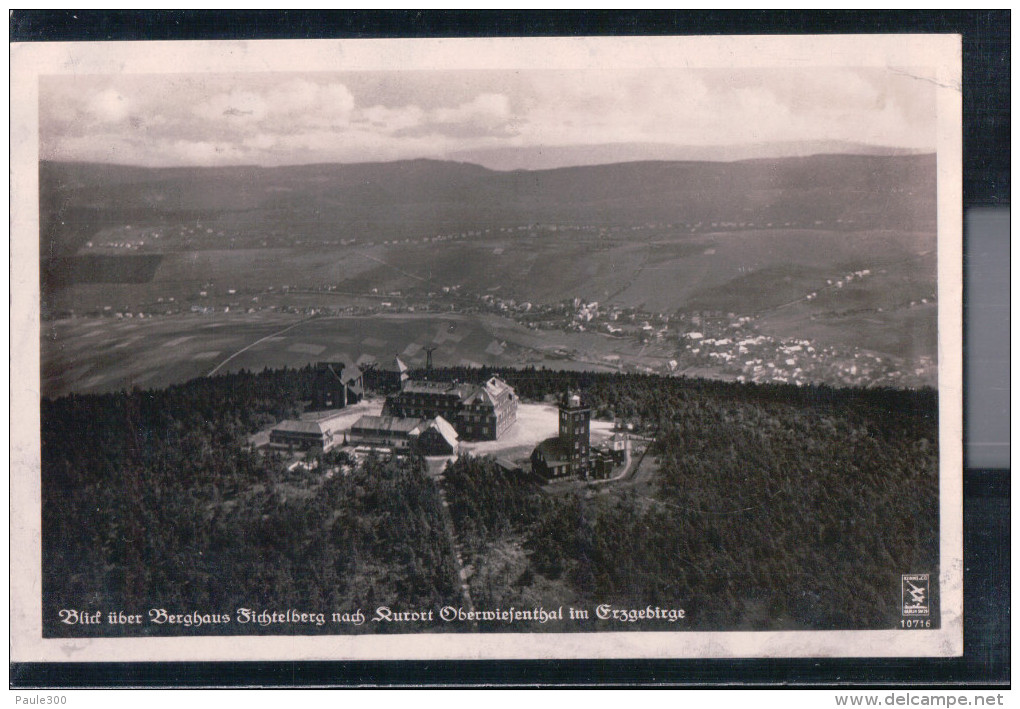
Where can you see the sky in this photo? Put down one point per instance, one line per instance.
(276, 118)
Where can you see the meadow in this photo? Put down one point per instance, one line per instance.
(94, 355)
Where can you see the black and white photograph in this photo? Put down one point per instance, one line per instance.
(643, 347)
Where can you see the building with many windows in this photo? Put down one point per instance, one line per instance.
(392, 432)
(433, 436)
(569, 452)
(489, 411)
(477, 412)
(314, 432)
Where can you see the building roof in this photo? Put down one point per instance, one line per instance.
(343, 372)
(418, 386)
(291, 426)
(480, 394)
(421, 386)
(507, 464)
(573, 401)
(443, 427)
(330, 418)
(554, 451)
(462, 389)
(394, 365)
(489, 392)
(495, 385)
(387, 423)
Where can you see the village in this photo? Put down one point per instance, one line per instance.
(148, 238)
(717, 344)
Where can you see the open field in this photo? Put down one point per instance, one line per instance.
(909, 333)
(107, 354)
(101, 355)
(660, 270)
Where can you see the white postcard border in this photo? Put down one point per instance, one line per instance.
(936, 58)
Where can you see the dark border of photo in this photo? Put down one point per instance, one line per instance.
(986, 183)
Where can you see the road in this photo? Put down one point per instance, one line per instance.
(395, 268)
(627, 460)
(451, 533)
(257, 342)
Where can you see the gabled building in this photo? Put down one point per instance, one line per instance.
(337, 385)
(551, 460)
(383, 432)
(433, 436)
(393, 374)
(489, 411)
(321, 433)
(477, 412)
(436, 437)
(618, 447)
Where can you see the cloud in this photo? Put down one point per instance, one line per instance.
(283, 107)
(336, 100)
(109, 106)
(234, 107)
(286, 118)
(487, 109)
(391, 120)
(295, 96)
(260, 141)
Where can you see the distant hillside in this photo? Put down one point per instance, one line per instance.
(411, 198)
(548, 157)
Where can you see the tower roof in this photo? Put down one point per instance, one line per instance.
(572, 400)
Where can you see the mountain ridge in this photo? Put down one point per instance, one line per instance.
(408, 198)
(553, 156)
(451, 160)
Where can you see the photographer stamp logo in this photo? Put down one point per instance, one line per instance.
(915, 594)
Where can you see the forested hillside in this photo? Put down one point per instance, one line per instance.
(772, 507)
(765, 516)
(151, 500)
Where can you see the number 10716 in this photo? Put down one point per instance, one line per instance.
(911, 623)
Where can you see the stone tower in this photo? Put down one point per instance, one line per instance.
(575, 428)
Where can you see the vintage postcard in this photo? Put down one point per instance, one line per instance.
(486, 348)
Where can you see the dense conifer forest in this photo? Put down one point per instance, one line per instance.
(771, 507)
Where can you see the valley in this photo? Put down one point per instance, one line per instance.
(793, 270)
